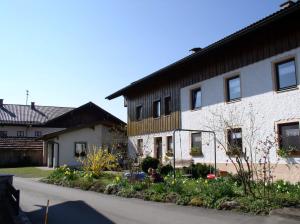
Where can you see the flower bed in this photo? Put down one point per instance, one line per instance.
(223, 193)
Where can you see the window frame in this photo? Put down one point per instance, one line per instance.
(140, 148)
(37, 135)
(170, 149)
(80, 142)
(279, 134)
(229, 131)
(276, 65)
(154, 109)
(192, 143)
(20, 135)
(3, 134)
(140, 109)
(192, 98)
(227, 89)
(168, 100)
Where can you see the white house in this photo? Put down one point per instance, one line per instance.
(248, 80)
(87, 127)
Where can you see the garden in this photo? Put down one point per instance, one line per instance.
(152, 181)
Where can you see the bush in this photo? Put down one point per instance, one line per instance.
(149, 162)
(165, 170)
(199, 170)
(98, 160)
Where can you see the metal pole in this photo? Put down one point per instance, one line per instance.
(174, 171)
(215, 148)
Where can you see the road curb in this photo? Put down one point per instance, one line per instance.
(290, 213)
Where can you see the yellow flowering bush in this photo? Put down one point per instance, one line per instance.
(97, 160)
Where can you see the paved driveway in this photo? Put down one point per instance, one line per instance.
(72, 206)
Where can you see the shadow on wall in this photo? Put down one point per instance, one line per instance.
(75, 212)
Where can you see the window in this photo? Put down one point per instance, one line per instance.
(196, 98)
(140, 146)
(138, 113)
(156, 109)
(235, 142)
(289, 136)
(169, 144)
(37, 133)
(196, 146)
(286, 74)
(3, 134)
(168, 105)
(233, 86)
(20, 133)
(80, 149)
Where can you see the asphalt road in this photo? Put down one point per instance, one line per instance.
(73, 206)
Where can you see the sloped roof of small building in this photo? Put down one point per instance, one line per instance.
(15, 114)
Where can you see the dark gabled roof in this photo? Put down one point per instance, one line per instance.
(86, 114)
(205, 51)
(77, 119)
(14, 114)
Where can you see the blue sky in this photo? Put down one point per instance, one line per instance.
(67, 53)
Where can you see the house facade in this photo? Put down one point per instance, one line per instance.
(53, 136)
(87, 127)
(248, 81)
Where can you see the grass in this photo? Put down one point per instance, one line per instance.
(26, 172)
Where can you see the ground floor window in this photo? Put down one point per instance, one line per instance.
(235, 142)
(169, 146)
(140, 146)
(289, 137)
(196, 144)
(80, 149)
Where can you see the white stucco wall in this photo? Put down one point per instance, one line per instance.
(256, 90)
(99, 136)
(28, 131)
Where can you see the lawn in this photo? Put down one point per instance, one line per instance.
(27, 172)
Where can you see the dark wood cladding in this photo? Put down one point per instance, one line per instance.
(265, 42)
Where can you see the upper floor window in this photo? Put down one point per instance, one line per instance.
(80, 149)
(156, 109)
(140, 146)
(196, 96)
(286, 74)
(3, 134)
(168, 105)
(289, 136)
(139, 113)
(37, 133)
(233, 86)
(20, 133)
(235, 142)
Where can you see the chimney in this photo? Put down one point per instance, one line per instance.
(195, 49)
(287, 4)
(1, 102)
(32, 105)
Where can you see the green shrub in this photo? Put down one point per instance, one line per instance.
(199, 170)
(149, 162)
(165, 170)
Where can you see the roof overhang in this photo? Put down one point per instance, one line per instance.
(205, 51)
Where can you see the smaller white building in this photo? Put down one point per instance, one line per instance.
(87, 127)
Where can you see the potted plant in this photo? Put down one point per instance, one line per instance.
(169, 153)
(195, 151)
